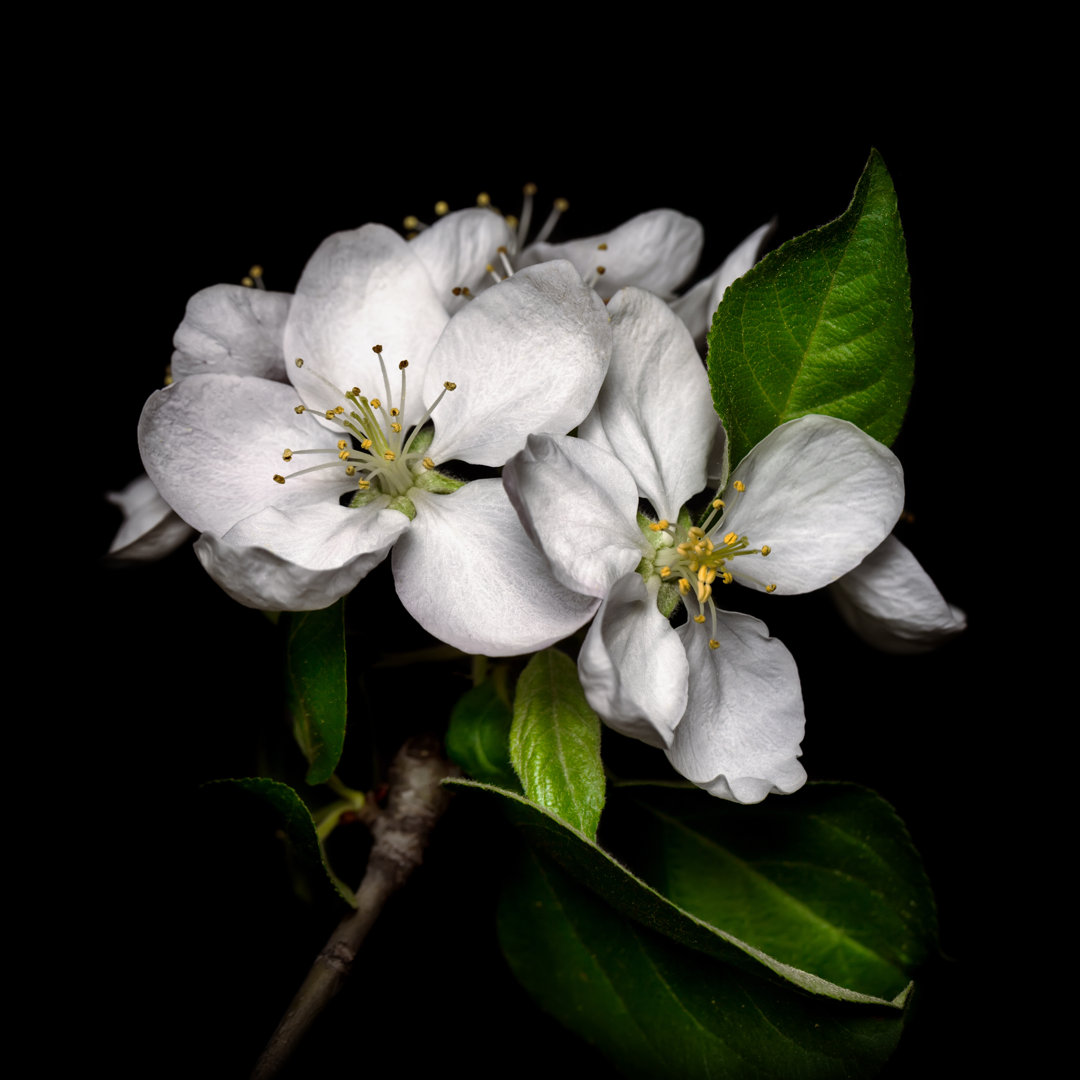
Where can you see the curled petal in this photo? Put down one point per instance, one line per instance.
(232, 330)
(150, 529)
(657, 250)
(457, 250)
(470, 576)
(654, 410)
(821, 494)
(270, 580)
(891, 603)
(697, 307)
(739, 738)
(578, 504)
(633, 667)
(527, 356)
(212, 444)
(360, 289)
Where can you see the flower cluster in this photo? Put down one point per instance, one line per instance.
(308, 437)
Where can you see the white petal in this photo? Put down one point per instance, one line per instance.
(457, 249)
(528, 356)
(739, 738)
(470, 576)
(890, 601)
(654, 409)
(212, 444)
(821, 494)
(232, 330)
(633, 666)
(259, 578)
(657, 250)
(698, 306)
(150, 529)
(360, 289)
(579, 506)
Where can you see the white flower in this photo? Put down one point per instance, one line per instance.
(808, 504)
(528, 355)
(150, 529)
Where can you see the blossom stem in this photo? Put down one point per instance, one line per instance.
(417, 800)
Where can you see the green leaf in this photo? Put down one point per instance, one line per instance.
(555, 742)
(479, 736)
(821, 325)
(631, 896)
(658, 1009)
(296, 823)
(827, 880)
(315, 661)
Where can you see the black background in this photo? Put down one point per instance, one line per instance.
(175, 682)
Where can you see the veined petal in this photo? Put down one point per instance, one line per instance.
(360, 289)
(632, 665)
(212, 444)
(891, 603)
(467, 572)
(279, 580)
(579, 505)
(821, 494)
(457, 249)
(150, 529)
(654, 409)
(232, 330)
(527, 355)
(657, 250)
(697, 307)
(739, 738)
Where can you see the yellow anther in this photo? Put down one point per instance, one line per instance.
(483, 199)
(739, 485)
(286, 454)
(717, 503)
(765, 549)
(684, 587)
(442, 207)
(456, 290)
(342, 443)
(376, 403)
(601, 247)
(699, 618)
(562, 205)
(771, 588)
(713, 643)
(365, 444)
(389, 455)
(695, 532)
(529, 188)
(411, 222)
(693, 566)
(247, 282)
(489, 268)
(665, 571)
(350, 470)
(710, 576)
(278, 478)
(402, 365)
(731, 538)
(363, 484)
(683, 548)
(329, 414)
(395, 427)
(703, 593)
(727, 579)
(256, 272)
(343, 454)
(299, 361)
(355, 391)
(395, 411)
(659, 526)
(703, 573)
(601, 269)
(339, 409)
(376, 349)
(512, 221)
(450, 385)
(428, 463)
(299, 409)
(501, 249)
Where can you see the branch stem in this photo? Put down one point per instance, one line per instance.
(416, 802)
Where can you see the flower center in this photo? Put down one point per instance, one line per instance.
(695, 557)
(376, 451)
